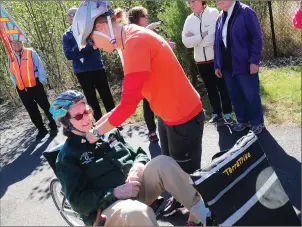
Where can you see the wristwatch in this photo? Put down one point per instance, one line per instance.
(96, 133)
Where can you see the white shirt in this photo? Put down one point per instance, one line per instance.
(225, 26)
(203, 47)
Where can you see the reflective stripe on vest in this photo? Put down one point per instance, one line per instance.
(24, 72)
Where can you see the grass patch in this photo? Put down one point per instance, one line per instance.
(280, 94)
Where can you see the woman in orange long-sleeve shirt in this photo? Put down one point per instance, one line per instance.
(151, 71)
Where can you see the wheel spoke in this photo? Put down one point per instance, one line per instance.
(63, 206)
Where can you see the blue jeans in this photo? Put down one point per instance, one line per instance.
(244, 91)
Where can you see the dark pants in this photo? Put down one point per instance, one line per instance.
(183, 142)
(149, 116)
(216, 88)
(96, 80)
(33, 97)
(244, 91)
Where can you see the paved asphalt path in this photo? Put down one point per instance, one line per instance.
(25, 176)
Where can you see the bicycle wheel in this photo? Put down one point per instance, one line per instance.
(63, 206)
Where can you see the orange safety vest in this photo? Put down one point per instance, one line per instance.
(23, 72)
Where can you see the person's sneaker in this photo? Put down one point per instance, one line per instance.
(172, 206)
(228, 119)
(257, 129)
(215, 118)
(158, 206)
(239, 127)
(41, 134)
(210, 222)
(153, 137)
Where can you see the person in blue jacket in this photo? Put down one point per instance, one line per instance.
(237, 49)
(89, 69)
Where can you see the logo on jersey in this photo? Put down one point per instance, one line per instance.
(86, 158)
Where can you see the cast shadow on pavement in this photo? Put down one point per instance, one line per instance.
(24, 165)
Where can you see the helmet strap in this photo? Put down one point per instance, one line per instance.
(111, 38)
(71, 127)
(111, 32)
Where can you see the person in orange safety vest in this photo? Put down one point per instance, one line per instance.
(28, 76)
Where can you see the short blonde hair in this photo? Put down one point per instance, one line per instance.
(120, 15)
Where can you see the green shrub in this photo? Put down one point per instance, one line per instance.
(173, 17)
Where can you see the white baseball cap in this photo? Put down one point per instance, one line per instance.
(72, 10)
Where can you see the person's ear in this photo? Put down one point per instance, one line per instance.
(102, 27)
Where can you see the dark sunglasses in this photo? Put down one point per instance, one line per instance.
(15, 43)
(79, 117)
(71, 14)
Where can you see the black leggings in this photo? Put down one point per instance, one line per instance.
(216, 88)
(31, 98)
(96, 80)
(149, 116)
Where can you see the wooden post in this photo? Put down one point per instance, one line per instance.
(272, 27)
